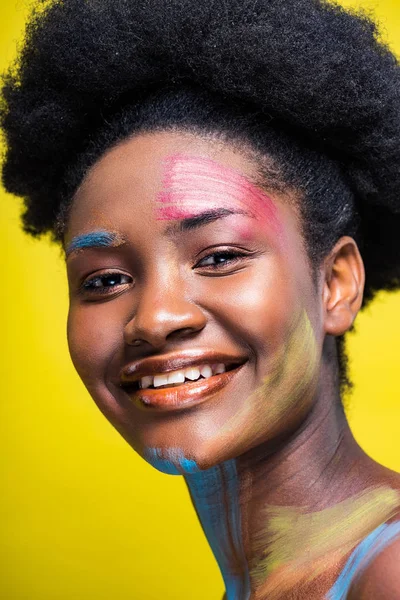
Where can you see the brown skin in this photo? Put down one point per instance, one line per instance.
(305, 455)
(381, 579)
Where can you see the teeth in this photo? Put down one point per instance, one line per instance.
(146, 382)
(192, 373)
(160, 380)
(174, 377)
(206, 371)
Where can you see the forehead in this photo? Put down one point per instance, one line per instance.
(135, 170)
(151, 178)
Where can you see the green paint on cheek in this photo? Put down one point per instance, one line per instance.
(284, 389)
(292, 372)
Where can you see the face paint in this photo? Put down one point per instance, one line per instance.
(170, 460)
(194, 184)
(95, 239)
(281, 389)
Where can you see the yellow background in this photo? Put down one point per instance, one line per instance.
(82, 517)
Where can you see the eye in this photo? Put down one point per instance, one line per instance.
(105, 283)
(221, 259)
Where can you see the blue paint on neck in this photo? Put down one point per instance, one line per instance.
(93, 239)
(171, 461)
(215, 494)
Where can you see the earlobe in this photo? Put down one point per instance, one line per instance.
(344, 279)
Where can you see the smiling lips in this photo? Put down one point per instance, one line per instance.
(178, 381)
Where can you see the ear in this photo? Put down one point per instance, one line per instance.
(343, 287)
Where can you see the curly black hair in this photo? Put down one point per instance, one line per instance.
(305, 83)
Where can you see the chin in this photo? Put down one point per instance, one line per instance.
(191, 457)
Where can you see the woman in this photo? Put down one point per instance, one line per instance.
(223, 178)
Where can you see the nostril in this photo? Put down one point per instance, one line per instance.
(183, 332)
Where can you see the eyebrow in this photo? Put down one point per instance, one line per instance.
(106, 239)
(204, 218)
(94, 239)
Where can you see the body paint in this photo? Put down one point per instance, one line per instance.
(94, 239)
(327, 535)
(194, 184)
(216, 496)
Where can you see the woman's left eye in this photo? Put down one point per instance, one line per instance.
(105, 283)
(221, 259)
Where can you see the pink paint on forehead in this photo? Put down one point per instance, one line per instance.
(192, 185)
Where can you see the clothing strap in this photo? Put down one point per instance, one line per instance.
(361, 556)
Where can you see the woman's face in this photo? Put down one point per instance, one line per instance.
(194, 321)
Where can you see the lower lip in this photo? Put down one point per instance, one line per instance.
(182, 396)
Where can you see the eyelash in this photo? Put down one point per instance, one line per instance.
(234, 255)
(88, 286)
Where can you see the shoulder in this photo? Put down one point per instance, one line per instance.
(381, 578)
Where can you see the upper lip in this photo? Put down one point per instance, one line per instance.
(172, 362)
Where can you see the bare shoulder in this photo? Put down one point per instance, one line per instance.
(381, 578)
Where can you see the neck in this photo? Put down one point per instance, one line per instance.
(273, 516)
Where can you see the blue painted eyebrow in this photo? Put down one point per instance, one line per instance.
(95, 239)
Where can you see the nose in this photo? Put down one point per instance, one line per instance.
(162, 315)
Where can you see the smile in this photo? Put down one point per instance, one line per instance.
(181, 388)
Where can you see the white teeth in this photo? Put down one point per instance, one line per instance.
(206, 371)
(160, 380)
(176, 377)
(192, 373)
(146, 382)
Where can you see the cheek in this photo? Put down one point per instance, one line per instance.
(92, 340)
(258, 304)
(281, 399)
(269, 312)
